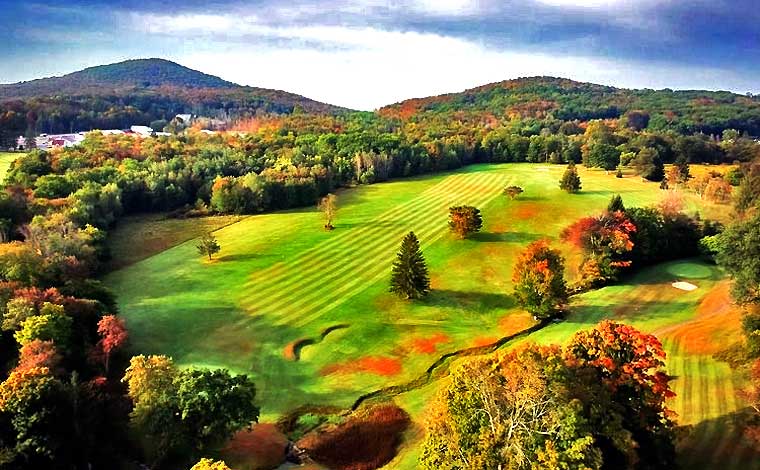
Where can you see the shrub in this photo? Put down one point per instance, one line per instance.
(365, 441)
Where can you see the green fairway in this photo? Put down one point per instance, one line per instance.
(6, 158)
(307, 314)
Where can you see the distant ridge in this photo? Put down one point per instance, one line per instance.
(136, 92)
(539, 97)
(138, 73)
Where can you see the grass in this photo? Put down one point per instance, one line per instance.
(6, 158)
(138, 237)
(281, 282)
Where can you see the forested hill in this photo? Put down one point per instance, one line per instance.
(687, 112)
(135, 92)
(123, 76)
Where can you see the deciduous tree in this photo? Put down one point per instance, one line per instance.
(329, 206)
(513, 191)
(741, 258)
(113, 335)
(465, 220)
(539, 280)
(208, 464)
(208, 246)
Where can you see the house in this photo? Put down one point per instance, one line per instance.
(186, 119)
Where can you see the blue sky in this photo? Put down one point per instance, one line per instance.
(367, 53)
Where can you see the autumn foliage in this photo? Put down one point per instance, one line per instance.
(539, 280)
(365, 441)
(599, 402)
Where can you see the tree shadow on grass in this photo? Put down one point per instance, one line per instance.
(693, 453)
(238, 257)
(522, 198)
(454, 298)
(640, 311)
(507, 237)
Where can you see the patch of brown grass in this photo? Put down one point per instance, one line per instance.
(484, 341)
(430, 344)
(262, 448)
(527, 211)
(716, 325)
(365, 441)
(378, 365)
(515, 322)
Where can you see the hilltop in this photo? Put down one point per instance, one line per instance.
(122, 76)
(135, 92)
(686, 111)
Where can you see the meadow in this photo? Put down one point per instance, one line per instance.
(307, 314)
(6, 158)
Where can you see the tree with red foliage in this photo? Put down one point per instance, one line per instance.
(539, 280)
(38, 353)
(113, 335)
(606, 239)
(629, 363)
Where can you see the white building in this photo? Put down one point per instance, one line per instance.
(143, 131)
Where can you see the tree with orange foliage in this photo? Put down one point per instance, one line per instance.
(113, 335)
(539, 280)
(38, 353)
(630, 365)
(464, 220)
(607, 239)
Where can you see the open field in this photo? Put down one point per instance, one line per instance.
(307, 312)
(157, 233)
(6, 158)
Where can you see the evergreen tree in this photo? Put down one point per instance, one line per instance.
(570, 181)
(409, 278)
(616, 204)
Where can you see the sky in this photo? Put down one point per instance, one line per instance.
(368, 53)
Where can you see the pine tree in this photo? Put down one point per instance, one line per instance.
(616, 204)
(409, 278)
(570, 181)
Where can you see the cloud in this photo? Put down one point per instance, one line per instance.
(366, 67)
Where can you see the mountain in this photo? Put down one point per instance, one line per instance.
(135, 92)
(685, 111)
(140, 73)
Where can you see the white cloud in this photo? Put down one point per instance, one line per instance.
(366, 68)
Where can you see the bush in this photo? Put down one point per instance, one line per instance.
(365, 441)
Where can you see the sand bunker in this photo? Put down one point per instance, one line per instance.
(687, 286)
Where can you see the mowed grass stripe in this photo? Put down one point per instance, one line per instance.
(336, 243)
(378, 273)
(282, 297)
(425, 198)
(316, 273)
(314, 260)
(357, 281)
